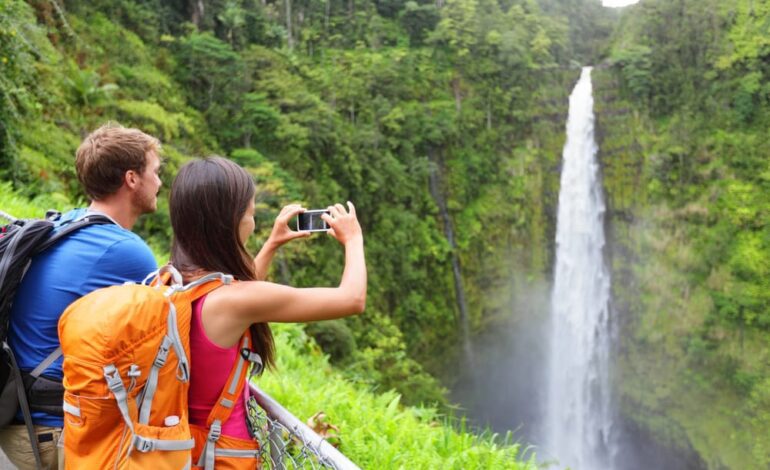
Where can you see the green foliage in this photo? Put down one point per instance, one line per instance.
(46, 160)
(635, 64)
(335, 338)
(20, 206)
(759, 417)
(418, 21)
(745, 61)
(86, 88)
(207, 68)
(105, 42)
(147, 80)
(693, 89)
(153, 118)
(17, 80)
(378, 432)
(138, 17)
(587, 24)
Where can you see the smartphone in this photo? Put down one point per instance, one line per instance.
(311, 221)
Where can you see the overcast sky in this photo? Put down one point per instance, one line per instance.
(618, 3)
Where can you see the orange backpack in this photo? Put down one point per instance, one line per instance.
(125, 400)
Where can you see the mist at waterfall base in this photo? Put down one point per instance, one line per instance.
(545, 372)
(503, 388)
(504, 391)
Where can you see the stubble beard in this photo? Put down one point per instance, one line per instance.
(145, 203)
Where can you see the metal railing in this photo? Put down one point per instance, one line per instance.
(7, 216)
(288, 443)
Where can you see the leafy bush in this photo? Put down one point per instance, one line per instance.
(378, 432)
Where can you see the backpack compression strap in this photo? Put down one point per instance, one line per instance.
(232, 391)
(45, 363)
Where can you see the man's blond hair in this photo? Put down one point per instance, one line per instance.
(105, 156)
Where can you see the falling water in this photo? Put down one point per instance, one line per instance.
(579, 417)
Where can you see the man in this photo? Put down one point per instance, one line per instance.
(118, 168)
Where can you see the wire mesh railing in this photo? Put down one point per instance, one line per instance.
(286, 443)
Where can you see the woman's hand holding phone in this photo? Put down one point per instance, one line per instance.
(281, 232)
(344, 223)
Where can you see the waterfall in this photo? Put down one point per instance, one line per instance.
(578, 418)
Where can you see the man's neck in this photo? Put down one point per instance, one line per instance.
(123, 214)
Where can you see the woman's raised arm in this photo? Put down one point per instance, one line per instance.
(279, 235)
(244, 303)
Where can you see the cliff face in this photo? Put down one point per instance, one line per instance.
(676, 368)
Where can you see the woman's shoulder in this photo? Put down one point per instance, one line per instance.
(247, 297)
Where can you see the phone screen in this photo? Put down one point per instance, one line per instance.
(311, 221)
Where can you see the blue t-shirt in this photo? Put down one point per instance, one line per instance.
(91, 258)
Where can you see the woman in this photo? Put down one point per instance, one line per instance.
(212, 214)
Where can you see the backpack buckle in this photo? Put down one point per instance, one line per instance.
(134, 371)
(143, 445)
(111, 374)
(53, 215)
(255, 359)
(160, 358)
(215, 431)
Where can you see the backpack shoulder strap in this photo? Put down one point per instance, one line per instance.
(233, 385)
(73, 226)
(200, 287)
(18, 242)
(223, 408)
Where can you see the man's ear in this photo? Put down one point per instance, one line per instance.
(131, 179)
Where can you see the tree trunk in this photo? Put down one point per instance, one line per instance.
(489, 113)
(327, 14)
(196, 15)
(457, 93)
(289, 38)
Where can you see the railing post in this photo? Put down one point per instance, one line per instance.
(277, 448)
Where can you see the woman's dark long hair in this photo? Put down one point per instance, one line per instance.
(208, 199)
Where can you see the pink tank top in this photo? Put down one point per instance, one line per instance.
(210, 368)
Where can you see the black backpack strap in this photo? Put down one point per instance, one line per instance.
(26, 236)
(75, 225)
(24, 405)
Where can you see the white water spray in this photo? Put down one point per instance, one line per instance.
(579, 417)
